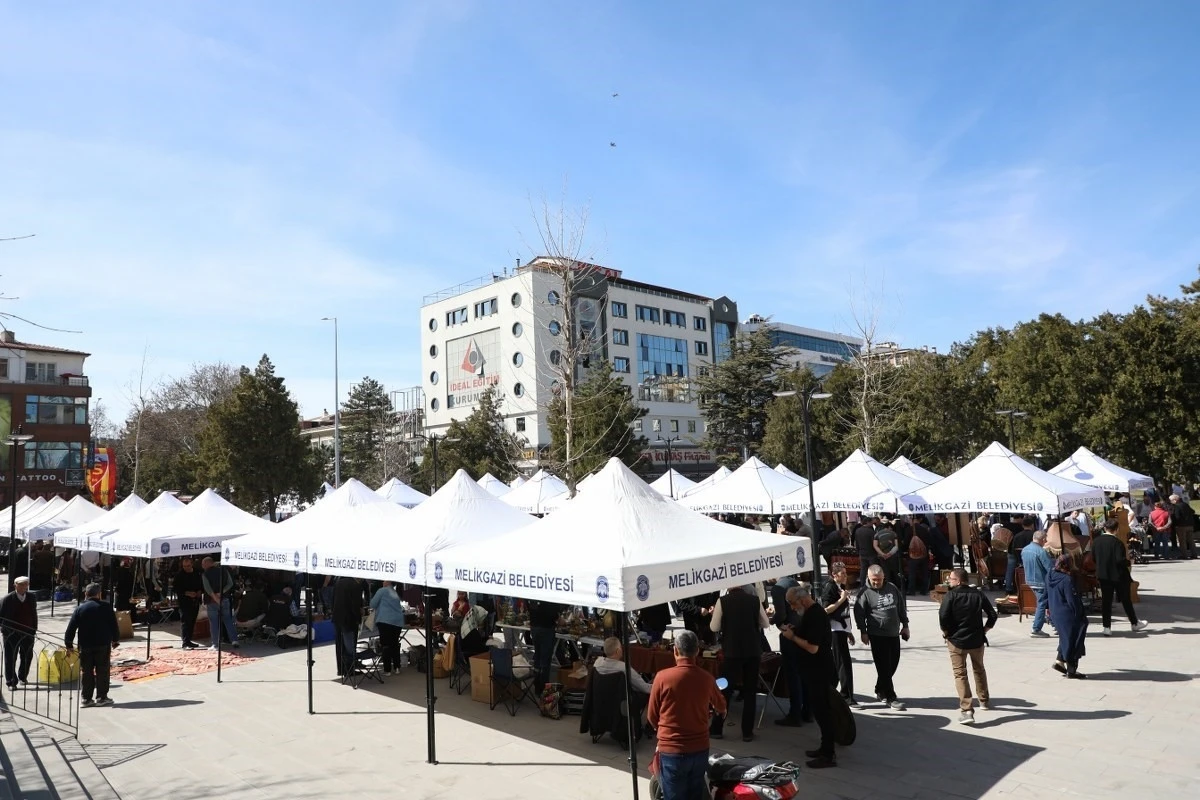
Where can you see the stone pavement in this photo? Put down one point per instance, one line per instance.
(1129, 731)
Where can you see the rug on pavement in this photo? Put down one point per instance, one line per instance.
(168, 660)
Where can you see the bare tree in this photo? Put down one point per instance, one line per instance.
(873, 410)
(139, 398)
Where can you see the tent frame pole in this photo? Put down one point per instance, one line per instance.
(430, 697)
(308, 590)
(629, 712)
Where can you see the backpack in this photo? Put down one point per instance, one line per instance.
(917, 549)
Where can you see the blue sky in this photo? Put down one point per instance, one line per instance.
(206, 181)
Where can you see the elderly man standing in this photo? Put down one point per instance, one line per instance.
(96, 623)
(962, 618)
(18, 624)
(1037, 564)
(680, 701)
(740, 618)
(882, 618)
(813, 638)
(218, 594)
(1183, 524)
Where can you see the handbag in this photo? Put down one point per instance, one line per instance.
(845, 730)
(368, 627)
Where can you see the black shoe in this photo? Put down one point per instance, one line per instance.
(1059, 666)
(1078, 676)
(789, 722)
(749, 738)
(806, 717)
(821, 762)
(813, 753)
(716, 736)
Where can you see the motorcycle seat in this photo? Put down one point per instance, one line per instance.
(728, 769)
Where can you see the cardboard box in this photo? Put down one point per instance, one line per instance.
(124, 624)
(481, 679)
(573, 677)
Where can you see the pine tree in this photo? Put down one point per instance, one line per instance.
(366, 417)
(478, 444)
(252, 445)
(604, 413)
(735, 394)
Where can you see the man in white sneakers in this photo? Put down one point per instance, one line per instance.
(882, 619)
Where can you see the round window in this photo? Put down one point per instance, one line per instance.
(516, 300)
(433, 378)
(433, 351)
(434, 404)
(555, 357)
(555, 328)
(552, 298)
(517, 329)
(433, 324)
(518, 390)
(518, 359)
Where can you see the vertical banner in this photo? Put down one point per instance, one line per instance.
(102, 476)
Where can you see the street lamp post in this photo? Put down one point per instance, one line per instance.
(337, 409)
(670, 440)
(806, 398)
(14, 440)
(1012, 413)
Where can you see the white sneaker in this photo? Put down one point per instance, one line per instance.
(1142, 625)
(966, 718)
(896, 705)
(1106, 631)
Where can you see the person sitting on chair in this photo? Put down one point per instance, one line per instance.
(612, 662)
(471, 632)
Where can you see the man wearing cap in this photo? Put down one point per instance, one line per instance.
(18, 624)
(1183, 523)
(96, 623)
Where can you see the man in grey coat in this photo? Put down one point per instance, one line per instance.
(882, 619)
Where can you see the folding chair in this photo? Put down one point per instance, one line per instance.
(772, 664)
(368, 663)
(507, 688)
(460, 672)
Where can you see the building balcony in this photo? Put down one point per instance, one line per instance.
(78, 381)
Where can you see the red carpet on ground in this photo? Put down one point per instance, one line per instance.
(169, 660)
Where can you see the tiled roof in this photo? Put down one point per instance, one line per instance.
(41, 348)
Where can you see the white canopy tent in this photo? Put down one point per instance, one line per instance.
(494, 486)
(78, 511)
(351, 510)
(913, 470)
(620, 546)
(753, 488)
(77, 536)
(22, 504)
(1086, 467)
(30, 514)
(721, 474)
(518, 482)
(198, 528)
(672, 484)
(998, 480)
(400, 493)
(540, 494)
(156, 513)
(787, 473)
(461, 512)
(860, 483)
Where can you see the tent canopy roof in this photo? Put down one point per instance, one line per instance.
(76, 536)
(1086, 467)
(494, 485)
(669, 480)
(753, 488)
(77, 511)
(539, 495)
(860, 483)
(912, 469)
(797, 477)
(401, 493)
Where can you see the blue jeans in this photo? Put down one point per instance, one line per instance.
(1039, 614)
(218, 615)
(1162, 543)
(347, 647)
(1010, 574)
(544, 644)
(681, 775)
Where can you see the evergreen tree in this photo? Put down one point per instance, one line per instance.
(604, 413)
(478, 444)
(366, 418)
(252, 445)
(735, 394)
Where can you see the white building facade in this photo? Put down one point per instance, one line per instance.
(818, 350)
(505, 331)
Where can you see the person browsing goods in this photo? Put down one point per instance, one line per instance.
(962, 616)
(96, 623)
(882, 618)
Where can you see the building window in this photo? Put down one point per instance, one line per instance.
(433, 324)
(704, 372)
(41, 372)
(433, 351)
(637, 425)
(3, 367)
(520, 424)
(487, 308)
(675, 318)
(518, 359)
(433, 378)
(46, 410)
(691, 426)
(516, 300)
(701, 348)
(552, 298)
(620, 336)
(700, 323)
(620, 364)
(54, 455)
(517, 329)
(518, 390)
(674, 426)
(434, 404)
(656, 425)
(554, 327)
(456, 317)
(555, 357)
(815, 344)
(619, 310)
(722, 336)
(663, 369)
(647, 314)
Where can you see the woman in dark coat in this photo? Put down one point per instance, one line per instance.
(1069, 616)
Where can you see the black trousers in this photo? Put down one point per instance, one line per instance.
(816, 692)
(94, 666)
(742, 672)
(843, 665)
(1121, 588)
(15, 644)
(188, 609)
(389, 643)
(794, 681)
(885, 652)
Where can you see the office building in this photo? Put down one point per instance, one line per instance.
(818, 350)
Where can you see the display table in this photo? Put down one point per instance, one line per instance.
(653, 659)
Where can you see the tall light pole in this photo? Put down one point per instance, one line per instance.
(337, 409)
(14, 440)
(806, 398)
(1012, 413)
(670, 440)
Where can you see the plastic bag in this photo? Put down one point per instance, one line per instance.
(58, 666)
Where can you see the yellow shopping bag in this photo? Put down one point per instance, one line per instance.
(58, 666)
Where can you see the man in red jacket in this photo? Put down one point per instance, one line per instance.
(680, 700)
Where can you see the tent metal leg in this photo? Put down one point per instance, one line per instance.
(430, 698)
(629, 712)
(310, 653)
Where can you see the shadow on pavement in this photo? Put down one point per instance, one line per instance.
(1045, 715)
(1154, 676)
(164, 703)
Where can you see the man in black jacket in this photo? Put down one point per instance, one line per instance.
(1183, 526)
(347, 618)
(189, 589)
(812, 637)
(1112, 570)
(18, 624)
(96, 623)
(783, 617)
(963, 627)
(740, 618)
